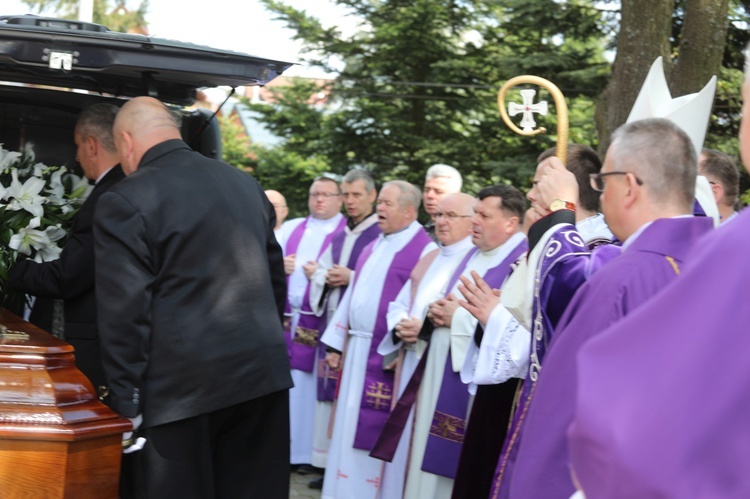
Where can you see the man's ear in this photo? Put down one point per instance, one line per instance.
(92, 145)
(511, 226)
(125, 148)
(718, 191)
(633, 191)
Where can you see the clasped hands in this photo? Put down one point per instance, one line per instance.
(440, 312)
(338, 276)
(289, 265)
(408, 329)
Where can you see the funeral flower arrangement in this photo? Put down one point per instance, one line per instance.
(37, 203)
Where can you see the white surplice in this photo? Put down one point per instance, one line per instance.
(453, 341)
(322, 418)
(352, 473)
(431, 287)
(506, 343)
(302, 397)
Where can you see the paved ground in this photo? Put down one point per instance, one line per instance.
(299, 486)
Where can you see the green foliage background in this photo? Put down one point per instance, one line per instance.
(419, 85)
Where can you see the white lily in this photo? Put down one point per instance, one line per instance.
(7, 158)
(56, 189)
(42, 191)
(39, 169)
(80, 186)
(48, 253)
(55, 232)
(30, 237)
(25, 196)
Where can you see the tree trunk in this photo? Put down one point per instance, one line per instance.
(645, 27)
(701, 47)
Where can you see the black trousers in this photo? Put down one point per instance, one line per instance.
(483, 442)
(238, 452)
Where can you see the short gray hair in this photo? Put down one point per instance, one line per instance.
(98, 121)
(661, 154)
(445, 171)
(359, 174)
(409, 196)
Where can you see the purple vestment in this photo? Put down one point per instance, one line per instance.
(539, 464)
(662, 406)
(567, 262)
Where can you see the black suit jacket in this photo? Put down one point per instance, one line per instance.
(190, 287)
(71, 278)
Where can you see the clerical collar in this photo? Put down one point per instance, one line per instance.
(350, 222)
(397, 232)
(506, 247)
(334, 220)
(493, 251)
(457, 247)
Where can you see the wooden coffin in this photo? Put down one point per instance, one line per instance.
(57, 440)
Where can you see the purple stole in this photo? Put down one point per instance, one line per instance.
(328, 378)
(364, 238)
(375, 404)
(448, 426)
(303, 347)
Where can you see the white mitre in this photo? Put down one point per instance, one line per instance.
(690, 112)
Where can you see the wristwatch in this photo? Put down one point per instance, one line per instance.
(559, 204)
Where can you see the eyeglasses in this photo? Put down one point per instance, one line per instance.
(323, 195)
(449, 216)
(597, 179)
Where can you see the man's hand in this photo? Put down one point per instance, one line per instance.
(310, 267)
(131, 442)
(333, 360)
(338, 276)
(481, 300)
(408, 329)
(556, 182)
(289, 264)
(441, 311)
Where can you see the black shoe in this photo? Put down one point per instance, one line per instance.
(308, 469)
(316, 484)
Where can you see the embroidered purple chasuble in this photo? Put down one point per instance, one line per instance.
(566, 263)
(537, 463)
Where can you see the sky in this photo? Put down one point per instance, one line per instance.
(242, 26)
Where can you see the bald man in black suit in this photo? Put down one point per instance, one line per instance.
(190, 288)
